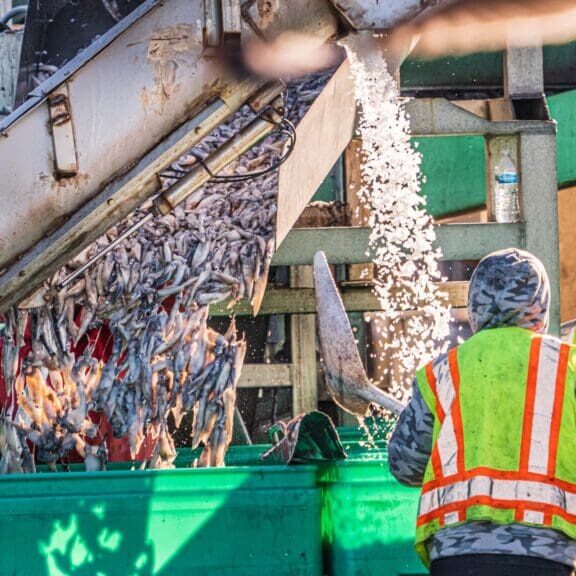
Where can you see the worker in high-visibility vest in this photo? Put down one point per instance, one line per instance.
(490, 435)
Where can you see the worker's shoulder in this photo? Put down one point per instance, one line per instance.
(436, 362)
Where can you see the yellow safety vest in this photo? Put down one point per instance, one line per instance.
(504, 440)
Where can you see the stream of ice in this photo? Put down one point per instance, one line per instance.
(402, 232)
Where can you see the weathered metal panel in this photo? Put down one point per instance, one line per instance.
(128, 93)
(117, 116)
(371, 15)
(437, 116)
(272, 17)
(110, 205)
(322, 136)
(10, 45)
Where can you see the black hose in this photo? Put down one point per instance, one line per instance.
(14, 13)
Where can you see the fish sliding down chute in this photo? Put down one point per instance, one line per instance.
(344, 373)
(97, 137)
(152, 291)
(206, 231)
(195, 238)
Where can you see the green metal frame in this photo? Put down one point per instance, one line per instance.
(538, 232)
(454, 167)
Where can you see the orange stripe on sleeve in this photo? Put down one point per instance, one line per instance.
(500, 475)
(529, 404)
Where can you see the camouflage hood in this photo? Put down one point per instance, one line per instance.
(509, 288)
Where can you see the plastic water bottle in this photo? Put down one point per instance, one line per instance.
(506, 201)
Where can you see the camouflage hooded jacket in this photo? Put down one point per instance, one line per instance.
(509, 288)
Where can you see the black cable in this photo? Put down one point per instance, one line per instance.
(288, 129)
(291, 133)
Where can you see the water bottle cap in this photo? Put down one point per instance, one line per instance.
(507, 178)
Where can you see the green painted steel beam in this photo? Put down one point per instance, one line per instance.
(484, 71)
(351, 245)
(474, 72)
(439, 117)
(454, 166)
(303, 300)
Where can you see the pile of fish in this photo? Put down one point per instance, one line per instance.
(151, 293)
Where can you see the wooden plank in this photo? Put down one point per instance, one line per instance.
(475, 216)
(567, 225)
(303, 300)
(494, 110)
(322, 136)
(303, 341)
(359, 212)
(500, 110)
(477, 107)
(350, 245)
(265, 376)
(323, 215)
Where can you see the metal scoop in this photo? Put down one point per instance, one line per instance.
(344, 373)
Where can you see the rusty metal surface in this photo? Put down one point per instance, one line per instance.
(62, 128)
(322, 136)
(371, 15)
(134, 96)
(343, 370)
(272, 17)
(109, 206)
(118, 117)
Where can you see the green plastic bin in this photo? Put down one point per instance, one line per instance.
(227, 521)
(368, 520)
(257, 518)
